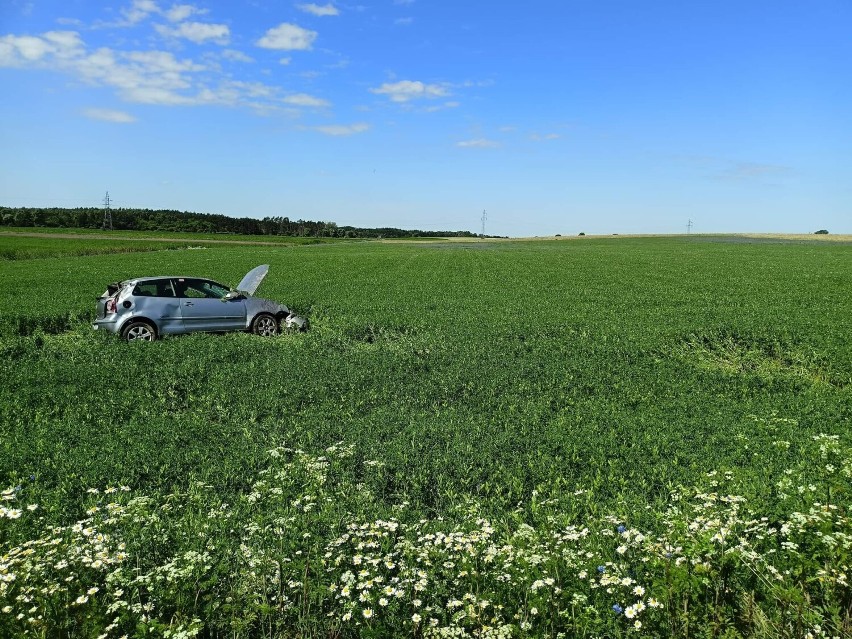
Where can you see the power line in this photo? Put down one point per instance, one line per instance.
(484, 217)
(689, 227)
(107, 225)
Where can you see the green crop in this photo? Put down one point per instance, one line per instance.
(24, 247)
(674, 411)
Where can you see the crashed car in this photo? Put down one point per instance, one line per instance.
(145, 308)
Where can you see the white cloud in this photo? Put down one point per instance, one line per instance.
(479, 143)
(305, 100)
(231, 91)
(343, 129)
(197, 32)
(236, 56)
(16, 51)
(109, 115)
(406, 90)
(29, 48)
(441, 107)
(157, 95)
(138, 11)
(180, 12)
(285, 61)
(64, 44)
(150, 77)
(537, 137)
(161, 62)
(317, 10)
(404, 22)
(289, 37)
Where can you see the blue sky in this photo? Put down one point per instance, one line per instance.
(553, 116)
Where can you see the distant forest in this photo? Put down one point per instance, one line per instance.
(186, 222)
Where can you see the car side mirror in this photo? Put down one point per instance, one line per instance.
(232, 295)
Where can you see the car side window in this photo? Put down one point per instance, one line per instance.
(145, 289)
(199, 289)
(189, 288)
(212, 289)
(157, 288)
(165, 289)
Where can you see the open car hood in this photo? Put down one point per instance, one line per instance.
(253, 279)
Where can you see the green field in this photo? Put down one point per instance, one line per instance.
(484, 434)
(30, 243)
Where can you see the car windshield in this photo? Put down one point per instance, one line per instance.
(187, 287)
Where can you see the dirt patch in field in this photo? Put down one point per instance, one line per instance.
(807, 237)
(772, 239)
(457, 246)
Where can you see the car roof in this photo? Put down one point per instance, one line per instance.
(168, 277)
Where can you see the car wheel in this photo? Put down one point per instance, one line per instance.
(265, 325)
(141, 331)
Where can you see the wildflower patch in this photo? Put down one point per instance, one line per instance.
(291, 554)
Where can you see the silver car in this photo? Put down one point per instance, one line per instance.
(145, 308)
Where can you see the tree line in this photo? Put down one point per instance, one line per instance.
(189, 222)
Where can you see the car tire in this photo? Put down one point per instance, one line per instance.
(265, 325)
(139, 331)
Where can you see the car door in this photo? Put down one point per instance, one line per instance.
(203, 306)
(155, 299)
